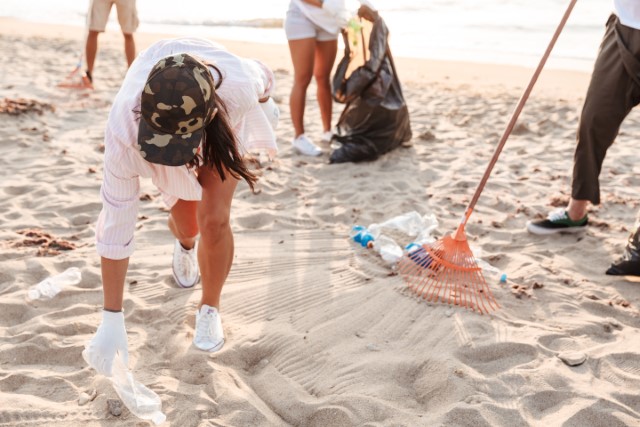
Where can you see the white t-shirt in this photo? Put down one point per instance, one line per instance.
(628, 11)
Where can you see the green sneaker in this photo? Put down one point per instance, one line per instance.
(558, 221)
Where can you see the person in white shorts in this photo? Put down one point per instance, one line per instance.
(312, 32)
(97, 18)
(186, 114)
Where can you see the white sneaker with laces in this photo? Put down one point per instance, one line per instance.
(185, 266)
(209, 335)
(306, 147)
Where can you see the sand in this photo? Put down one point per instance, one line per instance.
(319, 330)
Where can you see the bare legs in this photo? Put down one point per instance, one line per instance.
(211, 217)
(91, 49)
(325, 57)
(302, 54)
(129, 48)
(311, 58)
(577, 209)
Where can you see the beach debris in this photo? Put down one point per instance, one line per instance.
(572, 358)
(619, 301)
(51, 286)
(427, 135)
(18, 106)
(87, 397)
(140, 400)
(47, 244)
(559, 201)
(520, 290)
(372, 347)
(520, 129)
(115, 407)
(382, 237)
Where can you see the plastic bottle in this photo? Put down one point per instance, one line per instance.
(491, 272)
(413, 246)
(355, 230)
(51, 286)
(141, 401)
(362, 235)
(388, 249)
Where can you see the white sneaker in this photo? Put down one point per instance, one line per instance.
(326, 137)
(209, 335)
(185, 266)
(306, 147)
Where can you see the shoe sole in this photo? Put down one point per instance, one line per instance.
(308, 154)
(541, 231)
(212, 349)
(180, 284)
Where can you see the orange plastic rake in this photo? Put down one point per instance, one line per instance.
(76, 79)
(446, 271)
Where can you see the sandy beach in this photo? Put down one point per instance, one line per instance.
(320, 332)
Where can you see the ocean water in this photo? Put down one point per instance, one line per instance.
(490, 31)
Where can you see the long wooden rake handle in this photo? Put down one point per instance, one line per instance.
(514, 118)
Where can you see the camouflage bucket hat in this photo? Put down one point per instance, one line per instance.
(176, 106)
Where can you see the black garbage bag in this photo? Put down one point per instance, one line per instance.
(375, 119)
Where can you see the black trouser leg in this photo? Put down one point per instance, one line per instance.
(611, 95)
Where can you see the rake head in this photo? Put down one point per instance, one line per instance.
(76, 79)
(446, 271)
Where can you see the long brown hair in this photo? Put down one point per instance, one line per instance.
(220, 145)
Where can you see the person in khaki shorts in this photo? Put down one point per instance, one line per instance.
(99, 11)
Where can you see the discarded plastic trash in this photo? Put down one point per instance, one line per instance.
(411, 223)
(388, 249)
(141, 401)
(491, 272)
(417, 227)
(51, 286)
(362, 235)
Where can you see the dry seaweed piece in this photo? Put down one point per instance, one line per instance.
(46, 243)
(18, 106)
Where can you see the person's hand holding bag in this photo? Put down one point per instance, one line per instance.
(111, 337)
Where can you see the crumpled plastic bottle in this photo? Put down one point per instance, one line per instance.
(362, 235)
(388, 249)
(141, 401)
(51, 286)
(491, 272)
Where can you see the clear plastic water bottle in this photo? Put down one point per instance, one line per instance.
(388, 249)
(141, 401)
(491, 272)
(51, 286)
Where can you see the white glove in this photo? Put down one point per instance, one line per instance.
(111, 337)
